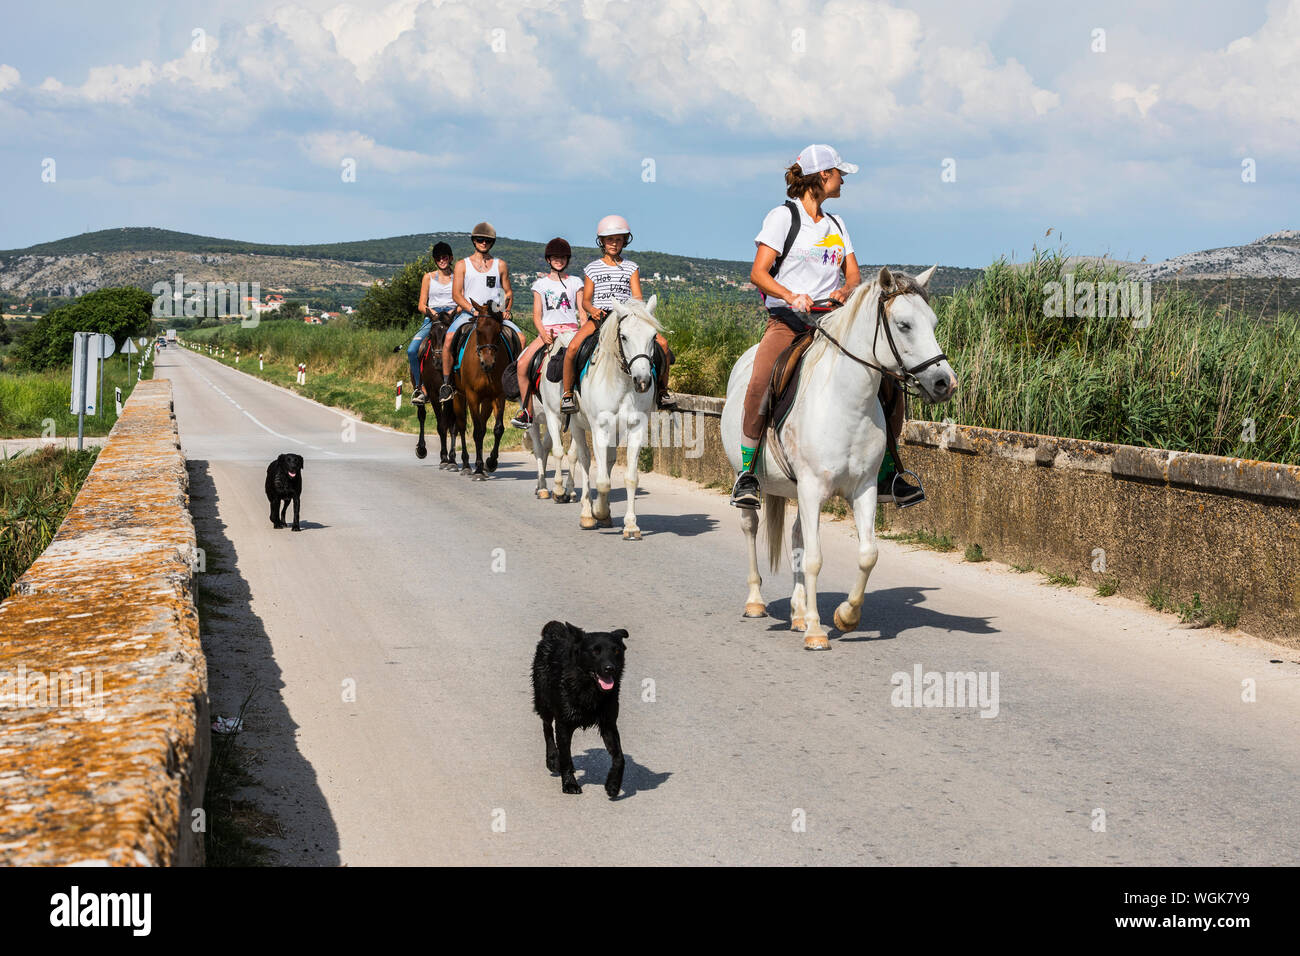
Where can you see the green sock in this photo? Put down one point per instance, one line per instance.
(887, 467)
(747, 457)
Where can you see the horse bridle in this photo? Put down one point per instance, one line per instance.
(491, 344)
(624, 362)
(907, 379)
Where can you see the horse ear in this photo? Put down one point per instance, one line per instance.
(923, 280)
(885, 280)
(475, 305)
(650, 306)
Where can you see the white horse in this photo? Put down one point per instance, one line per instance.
(833, 439)
(617, 398)
(546, 404)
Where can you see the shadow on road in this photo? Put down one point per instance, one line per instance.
(885, 615)
(593, 766)
(271, 795)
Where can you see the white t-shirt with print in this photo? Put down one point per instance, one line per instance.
(610, 284)
(559, 300)
(813, 265)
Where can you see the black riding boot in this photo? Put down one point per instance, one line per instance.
(664, 398)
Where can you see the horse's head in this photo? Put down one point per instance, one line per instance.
(628, 337)
(487, 326)
(903, 338)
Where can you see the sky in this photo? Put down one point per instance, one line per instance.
(1138, 130)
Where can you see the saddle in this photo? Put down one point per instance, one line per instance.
(555, 368)
(785, 377)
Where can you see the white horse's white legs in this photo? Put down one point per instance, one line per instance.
(600, 447)
(798, 596)
(810, 511)
(636, 437)
(849, 613)
(754, 606)
(541, 449)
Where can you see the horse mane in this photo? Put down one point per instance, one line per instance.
(606, 360)
(838, 322)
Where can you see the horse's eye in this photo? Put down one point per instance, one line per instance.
(905, 326)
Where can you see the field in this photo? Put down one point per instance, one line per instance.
(1197, 378)
(37, 403)
(36, 491)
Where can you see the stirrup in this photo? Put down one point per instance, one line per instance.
(915, 499)
(568, 403)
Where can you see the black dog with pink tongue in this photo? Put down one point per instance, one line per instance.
(284, 485)
(576, 676)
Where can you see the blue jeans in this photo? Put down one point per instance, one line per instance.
(413, 350)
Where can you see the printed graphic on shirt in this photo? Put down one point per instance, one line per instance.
(828, 250)
(610, 283)
(556, 300)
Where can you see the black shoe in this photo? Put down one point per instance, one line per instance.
(445, 393)
(523, 420)
(667, 399)
(420, 397)
(744, 494)
(568, 404)
(899, 490)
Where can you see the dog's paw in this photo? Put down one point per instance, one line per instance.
(296, 528)
(613, 786)
(550, 762)
(572, 787)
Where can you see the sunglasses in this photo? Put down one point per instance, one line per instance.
(481, 239)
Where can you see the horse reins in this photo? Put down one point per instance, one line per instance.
(907, 380)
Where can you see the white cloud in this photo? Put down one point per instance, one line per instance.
(330, 148)
(8, 77)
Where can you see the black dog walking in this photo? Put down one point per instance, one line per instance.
(576, 678)
(283, 485)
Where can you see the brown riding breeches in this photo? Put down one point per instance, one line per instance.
(776, 338)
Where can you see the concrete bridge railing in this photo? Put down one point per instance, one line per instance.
(1224, 529)
(104, 727)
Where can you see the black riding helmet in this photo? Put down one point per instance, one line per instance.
(440, 250)
(557, 248)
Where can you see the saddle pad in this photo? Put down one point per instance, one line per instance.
(785, 378)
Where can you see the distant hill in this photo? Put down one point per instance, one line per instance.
(343, 270)
(1275, 256)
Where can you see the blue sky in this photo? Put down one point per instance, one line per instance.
(544, 116)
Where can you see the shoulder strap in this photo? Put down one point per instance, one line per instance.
(789, 237)
(837, 222)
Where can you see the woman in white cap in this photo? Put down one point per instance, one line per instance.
(607, 280)
(481, 278)
(804, 257)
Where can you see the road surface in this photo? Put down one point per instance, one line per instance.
(388, 655)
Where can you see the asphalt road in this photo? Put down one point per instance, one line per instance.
(742, 747)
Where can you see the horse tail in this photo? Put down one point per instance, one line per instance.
(774, 528)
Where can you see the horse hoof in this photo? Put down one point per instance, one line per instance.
(491, 465)
(798, 624)
(631, 534)
(561, 498)
(421, 453)
(846, 619)
(816, 642)
(755, 609)
(586, 524)
(605, 522)
(543, 493)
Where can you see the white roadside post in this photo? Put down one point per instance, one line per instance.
(398, 406)
(260, 367)
(117, 398)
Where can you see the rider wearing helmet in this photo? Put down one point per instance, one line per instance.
(435, 300)
(557, 308)
(610, 279)
(820, 256)
(482, 279)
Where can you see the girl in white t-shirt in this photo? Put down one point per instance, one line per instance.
(819, 266)
(558, 307)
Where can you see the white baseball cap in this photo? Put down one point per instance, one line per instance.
(819, 156)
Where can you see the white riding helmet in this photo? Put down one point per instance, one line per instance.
(613, 226)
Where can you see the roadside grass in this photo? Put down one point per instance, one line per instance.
(975, 553)
(1107, 587)
(234, 825)
(36, 491)
(1061, 579)
(33, 404)
(923, 539)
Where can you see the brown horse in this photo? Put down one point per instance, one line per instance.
(479, 388)
(431, 378)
